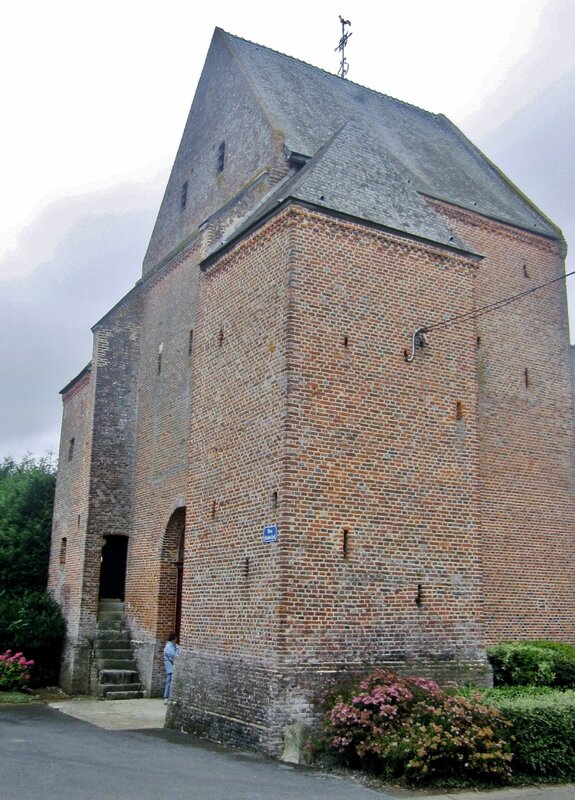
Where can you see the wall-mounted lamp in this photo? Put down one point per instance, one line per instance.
(419, 339)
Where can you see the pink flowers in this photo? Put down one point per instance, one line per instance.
(411, 728)
(14, 672)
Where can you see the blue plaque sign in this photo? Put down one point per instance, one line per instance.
(270, 533)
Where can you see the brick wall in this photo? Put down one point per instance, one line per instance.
(302, 390)
(526, 434)
(70, 523)
(161, 462)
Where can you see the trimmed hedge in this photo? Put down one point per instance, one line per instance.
(533, 663)
(543, 728)
(563, 662)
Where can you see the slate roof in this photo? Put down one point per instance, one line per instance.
(373, 156)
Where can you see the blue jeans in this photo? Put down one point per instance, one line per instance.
(168, 686)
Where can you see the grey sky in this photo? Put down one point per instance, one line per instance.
(97, 110)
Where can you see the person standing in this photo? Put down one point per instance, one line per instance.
(170, 652)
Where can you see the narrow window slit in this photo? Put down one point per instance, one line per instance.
(247, 567)
(183, 195)
(221, 337)
(221, 156)
(419, 595)
(274, 499)
(190, 342)
(159, 362)
(345, 543)
(526, 376)
(213, 509)
(459, 410)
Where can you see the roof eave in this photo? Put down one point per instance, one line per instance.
(225, 247)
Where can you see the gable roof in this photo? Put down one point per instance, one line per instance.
(393, 151)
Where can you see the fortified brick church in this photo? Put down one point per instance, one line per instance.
(262, 453)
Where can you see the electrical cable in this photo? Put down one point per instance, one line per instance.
(505, 301)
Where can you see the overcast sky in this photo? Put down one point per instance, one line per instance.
(95, 97)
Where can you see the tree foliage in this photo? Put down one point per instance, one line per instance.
(26, 504)
(30, 620)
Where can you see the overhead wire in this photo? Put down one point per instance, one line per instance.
(496, 305)
(419, 337)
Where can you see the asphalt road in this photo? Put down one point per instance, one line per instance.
(48, 755)
(93, 751)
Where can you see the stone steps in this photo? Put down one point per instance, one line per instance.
(118, 677)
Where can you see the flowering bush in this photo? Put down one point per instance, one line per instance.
(14, 672)
(409, 727)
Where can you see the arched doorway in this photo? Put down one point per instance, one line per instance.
(113, 567)
(172, 573)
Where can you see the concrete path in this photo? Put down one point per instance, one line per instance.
(116, 715)
(133, 757)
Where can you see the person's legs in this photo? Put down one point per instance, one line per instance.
(168, 685)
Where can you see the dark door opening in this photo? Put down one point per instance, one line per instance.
(113, 568)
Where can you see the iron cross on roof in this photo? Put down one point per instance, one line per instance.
(343, 65)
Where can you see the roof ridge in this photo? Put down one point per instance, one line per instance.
(437, 115)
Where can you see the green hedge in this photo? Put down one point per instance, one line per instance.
(543, 727)
(534, 663)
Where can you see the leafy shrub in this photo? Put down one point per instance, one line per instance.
(29, 619)
(563, 661)
(535, 663)
(409, 727)
(521, 663)
(543, 727)
(14, 672)
(34, 623)
(492, 696)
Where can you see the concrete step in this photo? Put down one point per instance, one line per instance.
(123, 664)
(124, 695)
(119, 676)
(105, 688)
(114, 646)
(124, 656)
(105, 616)
(112, 635)
(111, 605)
(112, 623)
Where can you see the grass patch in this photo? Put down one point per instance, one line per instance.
(51, 694)
(13, 698)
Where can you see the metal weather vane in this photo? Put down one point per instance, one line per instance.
(343, 65)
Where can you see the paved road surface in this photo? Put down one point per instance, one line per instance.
(48, 755)
(96, 750)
